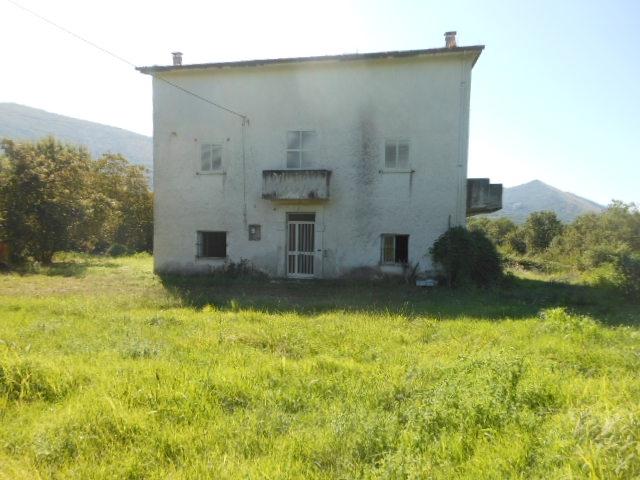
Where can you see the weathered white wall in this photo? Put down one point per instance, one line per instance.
(353, 106)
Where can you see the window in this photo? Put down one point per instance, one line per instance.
(395, 248)
(254, 233)
(301, 147)
(396, 154)
(212, 244)
(210, 157)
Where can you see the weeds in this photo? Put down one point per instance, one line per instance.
(113, 374)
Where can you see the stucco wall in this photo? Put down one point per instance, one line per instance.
(353, 106)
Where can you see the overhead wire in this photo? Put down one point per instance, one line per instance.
(124, 60)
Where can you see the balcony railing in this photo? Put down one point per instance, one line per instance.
(296, 185)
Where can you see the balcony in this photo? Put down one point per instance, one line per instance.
(482, 196)
(304, 186)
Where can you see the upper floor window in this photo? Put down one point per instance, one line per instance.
(301, 147)
(210, 157)
(396, 153)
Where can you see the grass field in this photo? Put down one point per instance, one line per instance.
(107, 371)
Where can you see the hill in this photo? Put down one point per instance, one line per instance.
(25, 123)
(519, 201)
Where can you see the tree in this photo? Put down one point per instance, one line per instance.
(54, 197)
(123, 204)
(42, 194)
(540, 229)
(594, 239)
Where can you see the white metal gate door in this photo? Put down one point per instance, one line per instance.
(301, 245)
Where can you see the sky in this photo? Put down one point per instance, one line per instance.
(555, 95)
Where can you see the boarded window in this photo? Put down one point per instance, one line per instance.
(212, 244)
(210, 157)
(395, 248)
(396, 154)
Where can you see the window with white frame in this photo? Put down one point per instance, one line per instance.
(396, 154)
(301, 148)
(394, 249)
(210, 157)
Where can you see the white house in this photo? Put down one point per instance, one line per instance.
(316, 166)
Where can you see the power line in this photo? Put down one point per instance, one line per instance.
(124, 60)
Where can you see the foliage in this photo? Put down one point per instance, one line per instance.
(515, 242)
(106, 373)
(54, 197)
(43, 197)
(629, 268)
(540, 229)
(601, 248)
(600, 237)
(497, 230)
(467, 257)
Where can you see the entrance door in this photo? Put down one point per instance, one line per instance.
(301, 235)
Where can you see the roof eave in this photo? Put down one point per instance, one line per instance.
(476, 50)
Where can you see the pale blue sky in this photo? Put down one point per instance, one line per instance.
(555, 95)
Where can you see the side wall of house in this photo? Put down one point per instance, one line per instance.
(353, 107)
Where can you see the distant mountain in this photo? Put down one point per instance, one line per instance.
(519, 201)
(19, 122)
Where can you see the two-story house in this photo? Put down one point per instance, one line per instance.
(314, 166)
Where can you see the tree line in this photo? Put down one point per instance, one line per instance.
(601, 247)
(56, 197)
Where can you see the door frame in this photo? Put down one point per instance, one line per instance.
(312, 254)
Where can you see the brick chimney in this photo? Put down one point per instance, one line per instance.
(450, 39)
(177, 58)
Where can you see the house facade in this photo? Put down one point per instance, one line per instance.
(321, 167)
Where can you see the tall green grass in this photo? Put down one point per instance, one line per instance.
(108, 372)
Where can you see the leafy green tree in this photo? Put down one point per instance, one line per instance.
(540, 229)
(594, 239)
(54, 197)
(43, 197)
(123, 204)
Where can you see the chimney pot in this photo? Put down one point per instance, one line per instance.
(177, 58)
(450, 39)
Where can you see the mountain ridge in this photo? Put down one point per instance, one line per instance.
(521, 200)
(20, 122)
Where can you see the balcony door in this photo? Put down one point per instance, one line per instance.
(301, 245)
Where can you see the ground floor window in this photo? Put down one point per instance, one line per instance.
(212, 244)
(395, 248)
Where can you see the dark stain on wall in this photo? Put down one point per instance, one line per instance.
(367, 166)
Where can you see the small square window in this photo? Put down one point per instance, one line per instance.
(210, 157)
(254, 233)
(396, 154)
(395, 249)
(212, 244)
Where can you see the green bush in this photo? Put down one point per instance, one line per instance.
(467, 257)
(540, 229)
(515, 242)
(599, 255)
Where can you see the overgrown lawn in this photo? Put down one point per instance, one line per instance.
(107, 371)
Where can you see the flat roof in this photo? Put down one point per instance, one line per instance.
(474, 49)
